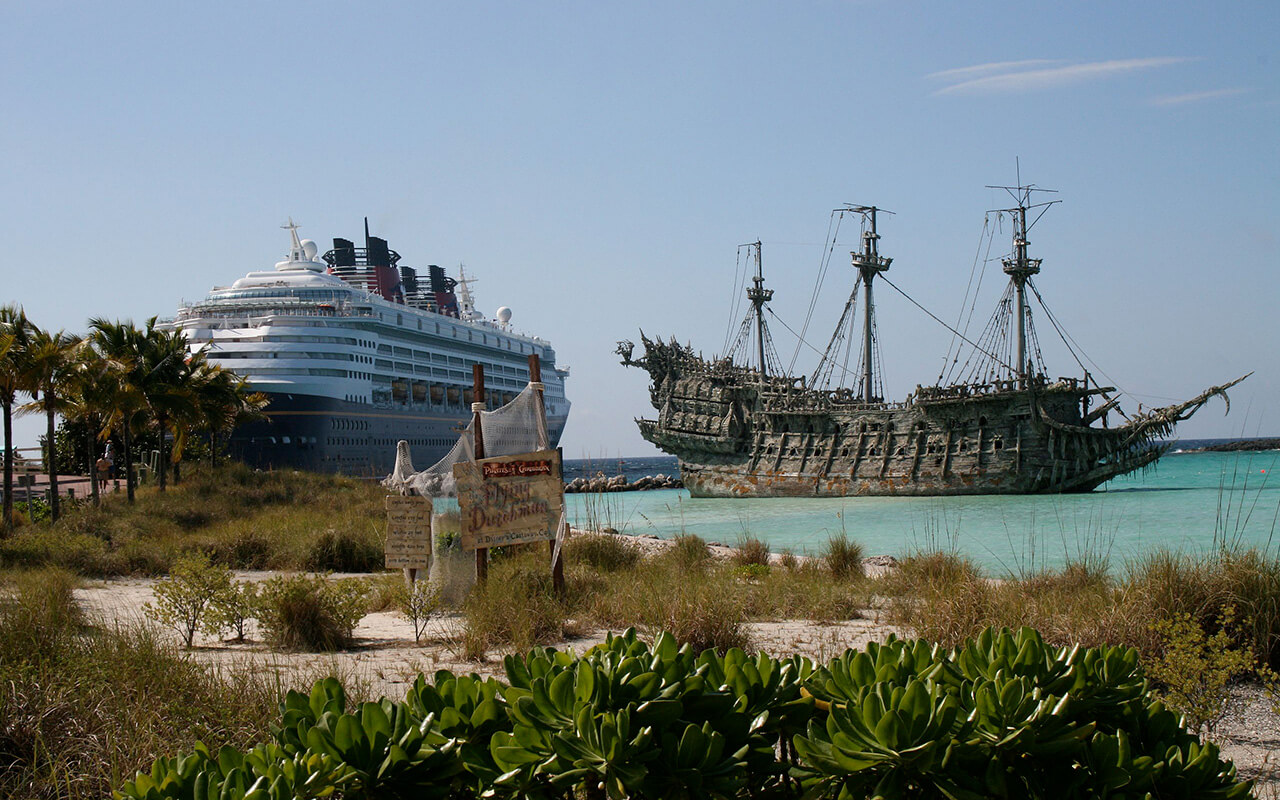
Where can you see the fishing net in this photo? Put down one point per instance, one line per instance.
(518, 427)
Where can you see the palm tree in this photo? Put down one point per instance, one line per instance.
(13, 329)
(46, 370)
(225, 402)
(162, 377)
(120, 343)
(90, 394)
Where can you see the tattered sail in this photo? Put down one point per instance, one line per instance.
(743, 430)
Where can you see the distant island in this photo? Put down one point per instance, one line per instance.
(1243, 445)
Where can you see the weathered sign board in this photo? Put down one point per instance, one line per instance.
(408, 532)
(510, 499)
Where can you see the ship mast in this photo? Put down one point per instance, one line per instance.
(1019, 267)
(758, 295)
(869, 263)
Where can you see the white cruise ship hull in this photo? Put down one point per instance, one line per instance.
(357, 353)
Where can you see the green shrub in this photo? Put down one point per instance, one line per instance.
(1195, 668)
(183, 598)
(516, 606)
(345, 551)
(1003, 716)
(603, 552)
(690, 552)
(704, 611)
(247, 548)
(232, 609)
(843, 557)
(302, 612)
(787, 560)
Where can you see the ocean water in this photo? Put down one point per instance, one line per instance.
(1188, 502)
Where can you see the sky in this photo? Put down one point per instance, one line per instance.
(596, 165)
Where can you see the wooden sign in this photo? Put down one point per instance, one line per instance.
(408, 532)
(509, 499)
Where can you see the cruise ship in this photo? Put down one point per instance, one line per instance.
(358, 352)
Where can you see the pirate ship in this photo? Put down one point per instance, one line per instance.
(994, 424)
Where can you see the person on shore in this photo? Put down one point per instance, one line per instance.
(103, 470)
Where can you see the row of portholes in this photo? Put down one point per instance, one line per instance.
(349, 424)
(932, 449)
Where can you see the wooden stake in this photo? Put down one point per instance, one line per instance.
(477, 382)
(557, 563)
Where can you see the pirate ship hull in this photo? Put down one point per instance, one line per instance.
(738, 434)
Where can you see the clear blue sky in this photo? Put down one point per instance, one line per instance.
(597, 164)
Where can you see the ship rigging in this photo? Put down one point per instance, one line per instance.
(993, 423)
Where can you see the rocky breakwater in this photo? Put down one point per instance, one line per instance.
(619, 483)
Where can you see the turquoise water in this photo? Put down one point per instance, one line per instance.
(1186, 502)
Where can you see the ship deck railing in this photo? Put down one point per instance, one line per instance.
(971, 390)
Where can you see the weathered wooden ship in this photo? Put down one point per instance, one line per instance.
(998, 426)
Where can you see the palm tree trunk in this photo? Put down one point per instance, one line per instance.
(162, 463)
(8, 466)
(128, 461)
(51, 459)
(93, 467)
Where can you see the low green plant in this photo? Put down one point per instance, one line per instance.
(1003, 716)
(1195, 668)
(232, 610)
(183, 598)
(313, 613)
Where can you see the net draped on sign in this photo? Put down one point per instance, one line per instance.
(518, 427)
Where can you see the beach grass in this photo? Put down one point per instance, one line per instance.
(240, 518)
(85, 704)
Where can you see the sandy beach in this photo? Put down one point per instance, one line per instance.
(386, 659)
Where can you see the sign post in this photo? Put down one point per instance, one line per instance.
(544, 441)
(408, 534)
(510, 499)
(477, 441)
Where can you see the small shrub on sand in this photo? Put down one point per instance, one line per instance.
(808, 592)
(1196, 668)
(345, 550)
(418, 603)
(751, 552)
(603, 552)
(788, 561)
(690, 552)
(843, 557)
(301, 612)
(187, 593)
(232, 609)
(517, 606)
(705, 613)
(705, 606)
